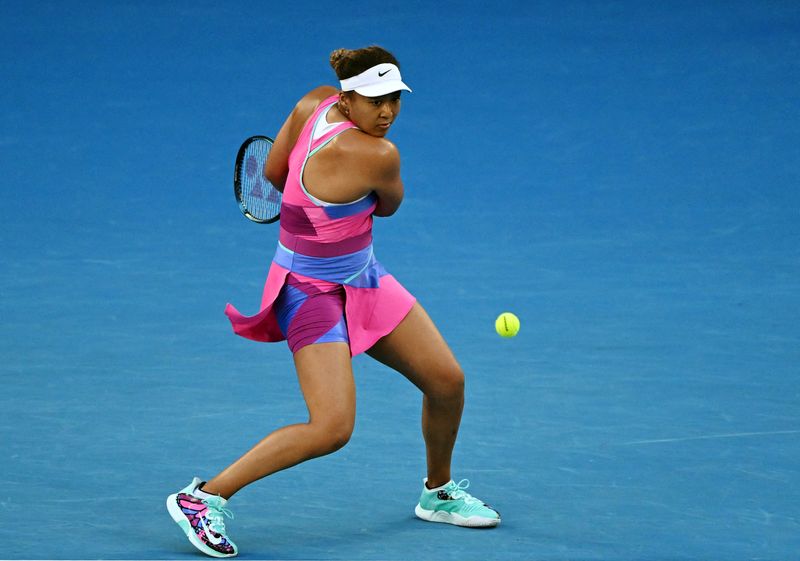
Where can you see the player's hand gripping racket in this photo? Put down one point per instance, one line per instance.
(258, 199)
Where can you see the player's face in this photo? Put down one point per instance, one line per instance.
(374, 115)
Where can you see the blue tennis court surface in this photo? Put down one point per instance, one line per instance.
(624, 176)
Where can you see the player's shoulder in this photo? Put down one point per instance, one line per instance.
(309, 102)
(386, 151)
(369, 146)
(368, 153)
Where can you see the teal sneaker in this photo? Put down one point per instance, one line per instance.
(451, 504)
(202, 520)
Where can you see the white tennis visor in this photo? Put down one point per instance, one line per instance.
(379, 80)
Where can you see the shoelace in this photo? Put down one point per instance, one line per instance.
(457, 491)
(215, 516)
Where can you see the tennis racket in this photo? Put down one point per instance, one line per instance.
(258, 199)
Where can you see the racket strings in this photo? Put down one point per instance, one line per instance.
(258, 196)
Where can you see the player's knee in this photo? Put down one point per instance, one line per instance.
(332, 435)
(449, 384)
(336, 441)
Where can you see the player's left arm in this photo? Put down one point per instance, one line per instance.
(276, 168)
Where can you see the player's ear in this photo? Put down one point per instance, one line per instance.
(344, 103)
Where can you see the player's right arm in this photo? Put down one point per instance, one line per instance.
(387, 184)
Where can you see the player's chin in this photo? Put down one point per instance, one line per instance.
(381, 130)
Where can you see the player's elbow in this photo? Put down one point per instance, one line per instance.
(389, 200)
(384, 209)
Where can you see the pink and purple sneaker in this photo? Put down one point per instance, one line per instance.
(202, 520)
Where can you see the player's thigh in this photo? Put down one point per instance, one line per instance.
(416, 349)
(325, 373)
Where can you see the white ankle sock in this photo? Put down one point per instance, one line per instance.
(435, 488)
(200, 494)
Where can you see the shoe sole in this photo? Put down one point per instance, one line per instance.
(455, 519)
(177, 515)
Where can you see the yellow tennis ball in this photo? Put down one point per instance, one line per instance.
(507, 324)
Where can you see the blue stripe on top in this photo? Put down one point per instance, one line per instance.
(359, 269)
(350, 209)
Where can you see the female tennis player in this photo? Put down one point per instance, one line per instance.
(329, 297)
